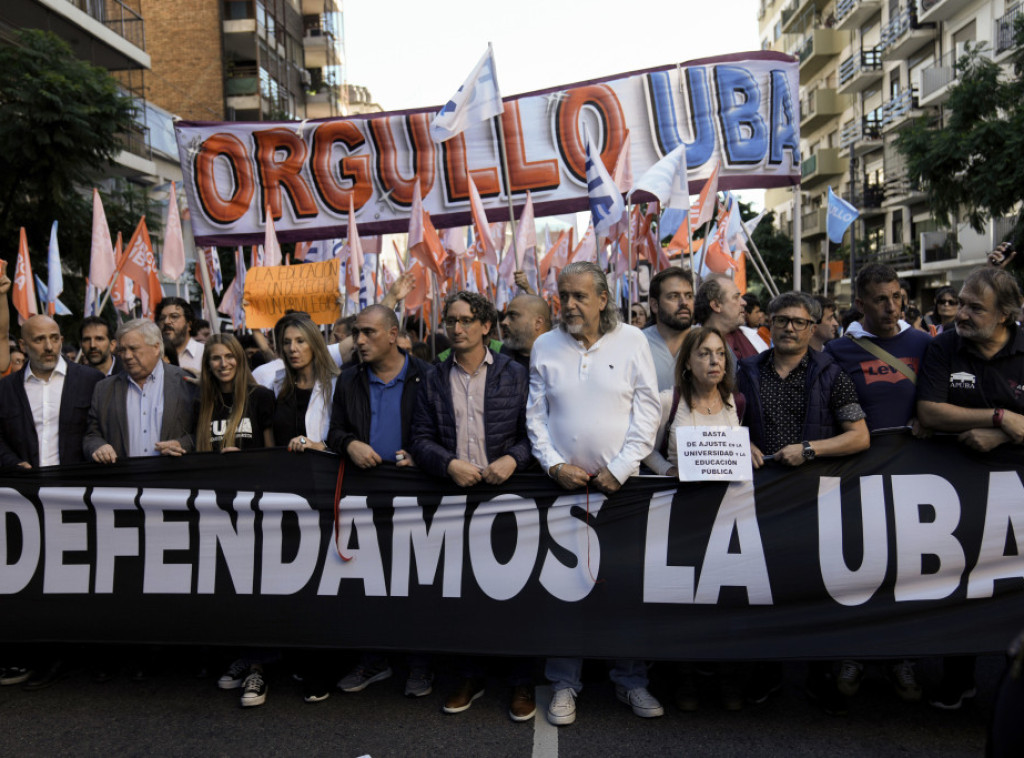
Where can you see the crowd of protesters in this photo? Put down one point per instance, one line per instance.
(485, 408)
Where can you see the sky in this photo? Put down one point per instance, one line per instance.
(414, 54)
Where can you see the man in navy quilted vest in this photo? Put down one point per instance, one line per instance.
(470, 426)
(800, 405)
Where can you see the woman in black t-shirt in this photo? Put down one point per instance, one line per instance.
(235, 413)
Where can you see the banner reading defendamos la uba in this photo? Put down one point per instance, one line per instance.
(909, 549)
(740, 111)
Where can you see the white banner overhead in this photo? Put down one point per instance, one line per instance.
(739, 110)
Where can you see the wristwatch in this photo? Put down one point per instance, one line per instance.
(808, 451)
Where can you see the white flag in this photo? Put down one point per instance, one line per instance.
(478, 99)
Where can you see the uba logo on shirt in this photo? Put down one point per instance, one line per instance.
(880, 371)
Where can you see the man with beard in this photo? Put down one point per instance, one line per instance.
(720, 304)
(175, 318)
(592, 416)
(97, 346)
(972, 382)
(671, 301)
(526, 318)
(46, 404)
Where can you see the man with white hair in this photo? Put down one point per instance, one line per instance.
(592, 416)
(147, 410)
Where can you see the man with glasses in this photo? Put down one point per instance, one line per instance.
(671, 301)
(470, 426)
(800, 406)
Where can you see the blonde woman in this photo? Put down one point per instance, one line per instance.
(235, 413)
(303, 414)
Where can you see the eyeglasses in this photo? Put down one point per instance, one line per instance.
(463, 321)
(799, 324)
(947, 302)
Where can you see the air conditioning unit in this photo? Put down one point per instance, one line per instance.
(305, 77)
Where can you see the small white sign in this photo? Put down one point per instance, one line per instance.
(714, 454)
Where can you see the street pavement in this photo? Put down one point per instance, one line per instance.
(173, 712)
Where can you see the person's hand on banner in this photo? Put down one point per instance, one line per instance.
(170, 447)
(983, 440)
(362, 454)
(105, 454)
(919, 430)
(790, 455)
(500, 470)
(756, 456)
(568, 476)
(606, 481)
(403, 459)
(302, 444)
(463, 473)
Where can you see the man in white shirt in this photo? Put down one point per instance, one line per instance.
(46, 404)
(175, 317)
(592, 416)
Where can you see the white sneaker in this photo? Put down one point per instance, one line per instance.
(232, 678)
(562, 710)
(643, 703)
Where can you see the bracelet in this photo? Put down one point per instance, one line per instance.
(997, 418)
(558, 467)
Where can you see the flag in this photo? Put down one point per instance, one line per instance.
(54, 306)
(667, 181)
(606, 205)
(271, 247)
(840, 215)
(102, 262)
(213, 263)
(140, 266)
(122, 293)
(526, 242)
(353, 254)
(54, 275)
(424, 244)
(478, 99)
(622, 174)
(557, 256)
(301, 249)
(232, 304)
(587, 249)
(172, 262)
(489, 254)
(23, 293)
(706, 202)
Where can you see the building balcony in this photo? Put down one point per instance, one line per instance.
(822, 166)
(819, 48)
(821, 106)
(316, 7)
(325, 102)
(321, 48)
(937, 81)
(1003, 34)
(898, 111)
(900, 257)
(803, 15)
(860, 71)
(864, 134)
(869, 201)
(813, 224)
(107, 34)
(789, 14)
(904, 34)
(932, 11)
(900, 189)
(851, 14)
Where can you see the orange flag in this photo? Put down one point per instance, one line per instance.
(23, 294)
(140, 267)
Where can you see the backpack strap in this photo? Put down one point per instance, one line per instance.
(668, 426)
(886, 357)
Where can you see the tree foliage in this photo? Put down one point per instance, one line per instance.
(60, 121)
(970, 165)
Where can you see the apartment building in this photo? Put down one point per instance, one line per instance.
(868, 68)
(248, 60)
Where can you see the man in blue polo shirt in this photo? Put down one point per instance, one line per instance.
(371, 421)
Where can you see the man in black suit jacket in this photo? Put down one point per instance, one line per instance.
(109, 436)
(44, 407)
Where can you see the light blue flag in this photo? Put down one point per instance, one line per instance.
(840, 215)
(606, 204)
(41, 289)
(54, 276)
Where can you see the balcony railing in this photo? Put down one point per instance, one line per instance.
(895, 110)
(899, 25)
(900, 257)
(865, 60)
(1005, 31)
(868, 128)
(117, 17)
(872, 196)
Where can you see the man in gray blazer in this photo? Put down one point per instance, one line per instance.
(147, 410)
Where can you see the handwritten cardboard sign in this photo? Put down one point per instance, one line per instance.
(714, 454)
(309, 287)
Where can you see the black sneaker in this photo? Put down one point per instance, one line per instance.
(314, 690)
(950, 696)
(254, 689)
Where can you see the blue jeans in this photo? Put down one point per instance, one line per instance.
(564, 673)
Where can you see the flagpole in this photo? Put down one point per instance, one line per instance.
(207, 287)
(825, 277)
(758, 261)
(700, 263)
(508, 181)
(629, 249)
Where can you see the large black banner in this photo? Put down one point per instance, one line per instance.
(911, 548)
